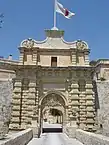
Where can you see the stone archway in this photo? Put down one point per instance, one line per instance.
(52, 115)
(52, 109)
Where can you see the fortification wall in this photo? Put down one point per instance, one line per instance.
(5, 105)
(103, 111)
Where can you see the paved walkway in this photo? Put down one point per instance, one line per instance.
(54, 139)
(47, 125)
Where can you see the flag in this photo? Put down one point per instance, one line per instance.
(64, 11)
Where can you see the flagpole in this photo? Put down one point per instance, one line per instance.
(54, 13)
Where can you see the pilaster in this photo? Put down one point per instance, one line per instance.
(90, 109)
(31, 99)
(74, 99)
(82, 110)
(16, 104)
(24, 113)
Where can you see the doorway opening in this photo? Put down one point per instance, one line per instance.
(52, 112)
(52, 120)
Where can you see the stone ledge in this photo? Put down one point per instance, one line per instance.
(88, 138)
(20, 138)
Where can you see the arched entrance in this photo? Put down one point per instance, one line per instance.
(52, 116)
(52, 110)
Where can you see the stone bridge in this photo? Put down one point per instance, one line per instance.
(81, 138)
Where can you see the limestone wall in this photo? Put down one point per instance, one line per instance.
(5, 103)
(103, 111)
(88, 138)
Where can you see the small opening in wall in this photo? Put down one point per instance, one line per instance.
(53, 61)
(101, 126)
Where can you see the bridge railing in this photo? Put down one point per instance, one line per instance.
(20, 138)
(88, 138)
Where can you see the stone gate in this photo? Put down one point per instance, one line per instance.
(53, 76)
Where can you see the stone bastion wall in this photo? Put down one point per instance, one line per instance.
(6, 87)
(103, 110)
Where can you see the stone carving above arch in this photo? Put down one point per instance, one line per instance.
(81, 45)
(52, 100)
(28, 43)
(55, 97)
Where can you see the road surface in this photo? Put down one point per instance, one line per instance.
(54, 139)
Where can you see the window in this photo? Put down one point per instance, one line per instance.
(53, 61)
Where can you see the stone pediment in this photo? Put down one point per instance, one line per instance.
(54, 40)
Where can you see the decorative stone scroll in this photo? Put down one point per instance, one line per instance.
(81, 45)
(29, 43)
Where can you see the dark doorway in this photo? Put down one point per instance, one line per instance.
(54, 61)
(51, 130)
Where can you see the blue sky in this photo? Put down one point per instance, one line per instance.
(29, 18)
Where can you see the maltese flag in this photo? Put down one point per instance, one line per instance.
(60, 9)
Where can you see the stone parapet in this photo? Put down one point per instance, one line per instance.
(20, 138)
(88, 138)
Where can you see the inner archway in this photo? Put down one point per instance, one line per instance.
(52, 116)
(52, 110)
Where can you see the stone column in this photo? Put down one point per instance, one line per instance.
(90, 109)
(16, 104)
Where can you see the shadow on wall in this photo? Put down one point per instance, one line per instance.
(97, 104)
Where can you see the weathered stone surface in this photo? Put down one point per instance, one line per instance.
(103, 111)
(20, 138)
(5, 106)
(88, 138)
